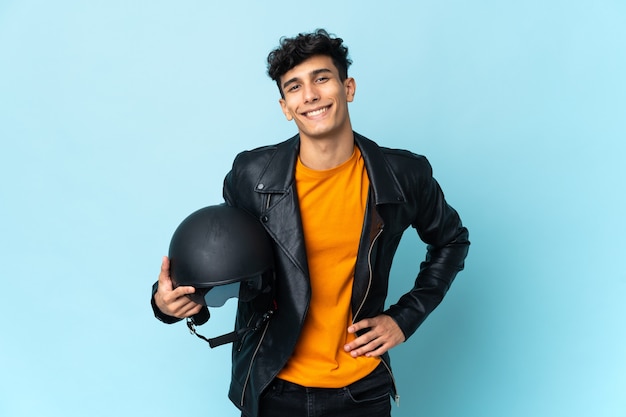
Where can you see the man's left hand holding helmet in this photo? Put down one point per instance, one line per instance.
(174, 301)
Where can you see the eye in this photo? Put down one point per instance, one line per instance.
(294, 87)
(321, 79)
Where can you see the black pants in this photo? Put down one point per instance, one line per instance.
(368, 397)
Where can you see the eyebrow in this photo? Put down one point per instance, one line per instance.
(312, 73)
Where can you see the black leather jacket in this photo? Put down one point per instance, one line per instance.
(403, 193)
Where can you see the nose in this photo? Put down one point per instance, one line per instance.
(311, 94)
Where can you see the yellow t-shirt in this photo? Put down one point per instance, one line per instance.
(332, 205)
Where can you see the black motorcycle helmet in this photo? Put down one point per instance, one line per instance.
(223, 252)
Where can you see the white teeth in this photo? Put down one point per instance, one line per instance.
(316, 112)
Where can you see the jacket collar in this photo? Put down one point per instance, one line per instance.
(383, 180)
(278, 175)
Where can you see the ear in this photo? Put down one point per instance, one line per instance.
(350, 86)
(286, 112)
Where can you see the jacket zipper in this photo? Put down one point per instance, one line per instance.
(369, 268)
(396, 396)
(256, 350)
(369, 284)
(240, 346)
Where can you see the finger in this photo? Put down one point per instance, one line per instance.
(179, 305)
(360, 325)
(185, 310)
(379, 351)
(365, 349)
(376, 346)
(360, 341)
(190, 309)
(383, 334)
(178, 295)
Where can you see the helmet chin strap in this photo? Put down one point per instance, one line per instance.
(234, 336)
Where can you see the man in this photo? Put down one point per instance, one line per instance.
(335, 205)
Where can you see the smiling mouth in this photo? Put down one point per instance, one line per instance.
(316, 112)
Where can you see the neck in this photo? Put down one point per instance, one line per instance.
(322, 154)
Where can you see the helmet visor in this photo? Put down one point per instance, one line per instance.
(217, 296)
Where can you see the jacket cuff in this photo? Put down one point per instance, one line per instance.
(408, 327)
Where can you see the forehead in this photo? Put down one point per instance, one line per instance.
(309, 67)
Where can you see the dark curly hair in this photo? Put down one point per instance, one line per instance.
(294, 51)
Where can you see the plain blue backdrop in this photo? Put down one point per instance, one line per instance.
(119, 118)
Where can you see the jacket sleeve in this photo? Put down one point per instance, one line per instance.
(440, 227)
(227, 190)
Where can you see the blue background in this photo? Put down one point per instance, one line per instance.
(119, 118)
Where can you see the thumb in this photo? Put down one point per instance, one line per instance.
(165, 282)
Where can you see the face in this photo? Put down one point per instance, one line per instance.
(316, 98)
